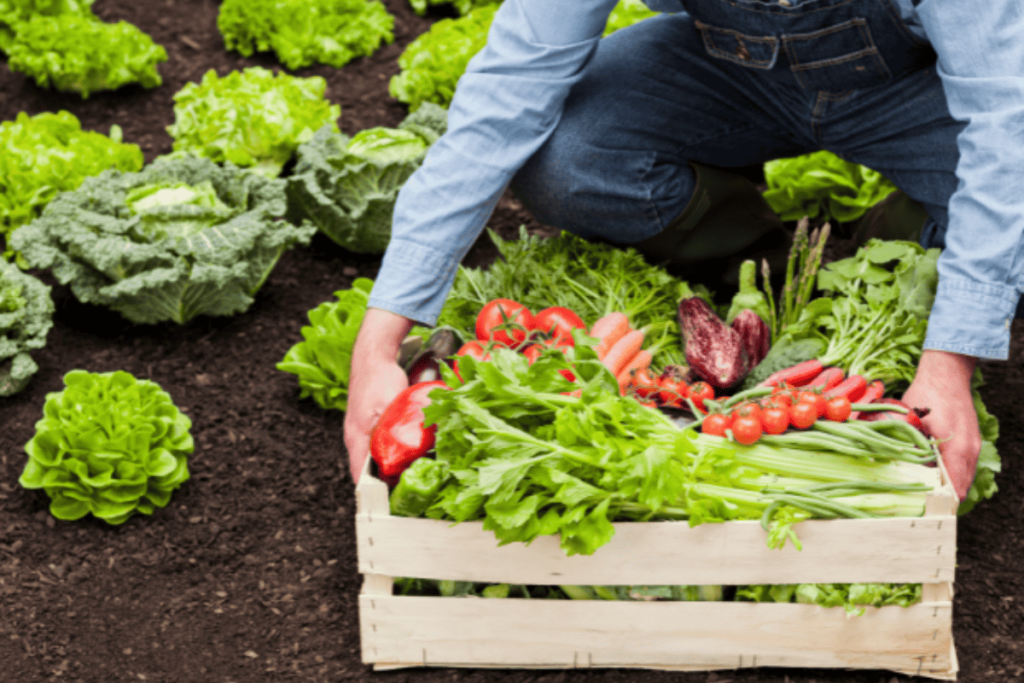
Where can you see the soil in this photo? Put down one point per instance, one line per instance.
(249, 575)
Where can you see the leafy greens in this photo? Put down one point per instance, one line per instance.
(822, 184)
(182, 238)
(50, 153)
(26, 316)
(306, 32)
(348, 186)
(323, 361)
(15, 13)
(251, 118)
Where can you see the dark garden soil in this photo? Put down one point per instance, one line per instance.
(249, 575)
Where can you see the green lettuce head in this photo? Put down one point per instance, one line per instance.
(823, 184)
(110, 445)
(26, 316)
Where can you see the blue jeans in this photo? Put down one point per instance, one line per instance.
(671, 90)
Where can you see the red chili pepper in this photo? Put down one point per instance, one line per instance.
(399, 436)
(797, 376)
(874, 392)
(852, 387)
(828, 379)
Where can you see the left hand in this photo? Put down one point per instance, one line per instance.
(943, 385)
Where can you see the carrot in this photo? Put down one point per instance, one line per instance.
(640, 361)
(609, 329)
(623, 351)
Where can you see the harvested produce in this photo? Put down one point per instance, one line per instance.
(822, 184)
(755, 335)
(399, 437)
(348, 186)
(852, 597)
(184, 237)
(715, 352)
(110, 445)
(505, 322)
(26, 316)
(417, 487)
(47, 154)
(251, 118)
(323, 360)
(306, 32)
(782, 357)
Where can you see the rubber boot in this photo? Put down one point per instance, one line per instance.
(897, 217)
(726, 222)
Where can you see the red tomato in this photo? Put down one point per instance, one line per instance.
(815, 399)
(504, 321)
(645, 385)
(838, 409)
(784, 397)
(700, 392)
(803, 415)
(532, 352)
(775, 419)
(672, 393)
(747, 410)
(746, 430)
(559, 323)
(471, 348)
(715, 425)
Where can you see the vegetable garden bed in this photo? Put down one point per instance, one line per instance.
(250, 574)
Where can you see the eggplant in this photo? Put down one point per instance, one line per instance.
(714, 351)
(757, 338)
(425, 364)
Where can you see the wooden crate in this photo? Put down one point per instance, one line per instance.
(406, 631)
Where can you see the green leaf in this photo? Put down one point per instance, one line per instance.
(822, 183)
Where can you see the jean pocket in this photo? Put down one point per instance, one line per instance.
(840, 57)
(756, 52)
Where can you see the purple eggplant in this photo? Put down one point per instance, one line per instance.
(757, 338)
(714, 351)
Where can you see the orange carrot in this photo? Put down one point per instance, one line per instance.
(640, 361)
(609, 329)
(623, 351)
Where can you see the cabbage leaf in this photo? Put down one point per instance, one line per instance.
(26, 316)
(157, 246)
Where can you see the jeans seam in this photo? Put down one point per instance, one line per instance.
(798, 9)
(715, 51)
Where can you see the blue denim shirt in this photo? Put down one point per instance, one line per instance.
(511, 97)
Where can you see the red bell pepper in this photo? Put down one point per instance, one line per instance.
(399, 436)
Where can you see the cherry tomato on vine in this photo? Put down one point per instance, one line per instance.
(817, 400)
(532, 353)
(504, 321)
(645, 385)
(784, 396)
(747, 410)
(700, 392)
(672, 393)
(715, 425)
(775, 419)
(559, 323)
(838, 409)
(803, 415)
(746, 430)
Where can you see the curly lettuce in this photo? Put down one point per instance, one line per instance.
(348, 187)
(26, 316)
(433, 63)
(79, 53)
(323, 362)
(109, 445)
(306, 32)
(251, 118)
(14, 13)
(822, 184)
(47, 154)
(182, 238)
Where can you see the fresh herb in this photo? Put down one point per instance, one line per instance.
(853, 597)
(109, 445)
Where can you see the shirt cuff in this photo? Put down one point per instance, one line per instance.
(414, 280)
(972, 318)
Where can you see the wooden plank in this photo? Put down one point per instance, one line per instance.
(695, 636)
(898, 550)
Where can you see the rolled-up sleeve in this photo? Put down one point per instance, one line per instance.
(505, 107)
(980, 47)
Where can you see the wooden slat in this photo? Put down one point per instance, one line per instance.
(920, 550)
(692, 636)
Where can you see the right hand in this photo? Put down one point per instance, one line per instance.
(375, 380)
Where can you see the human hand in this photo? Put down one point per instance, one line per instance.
(375, 380)
(943, 385)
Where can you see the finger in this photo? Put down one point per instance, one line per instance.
(958, 475)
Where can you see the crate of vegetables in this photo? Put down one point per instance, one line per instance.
(547, 479)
